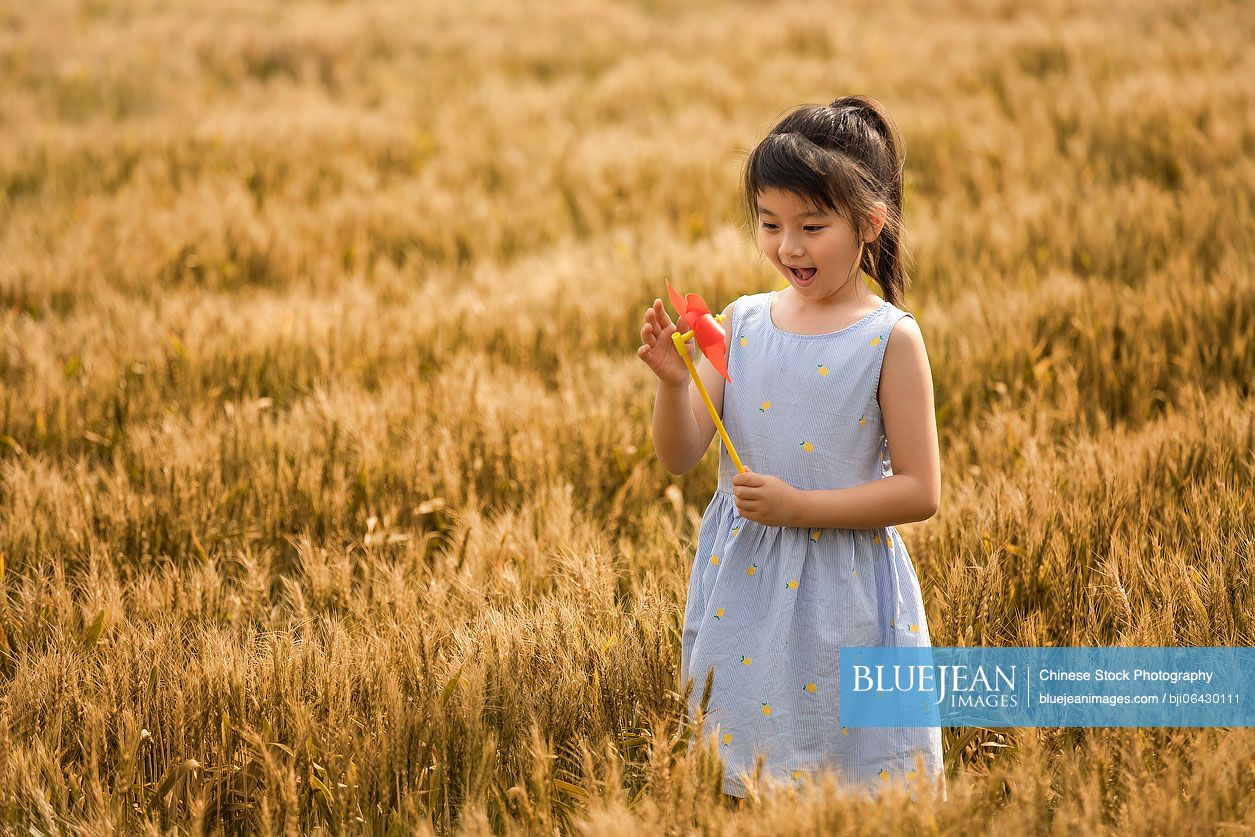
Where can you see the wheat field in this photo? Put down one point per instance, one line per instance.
(329, 503)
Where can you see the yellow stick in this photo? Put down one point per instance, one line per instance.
(680, 340)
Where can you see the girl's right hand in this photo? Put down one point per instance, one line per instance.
(657, 348)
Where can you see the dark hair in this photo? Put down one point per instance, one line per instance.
(841, 157)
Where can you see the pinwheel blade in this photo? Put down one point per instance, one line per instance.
(695, 306)
(678, 301)
(713, 341)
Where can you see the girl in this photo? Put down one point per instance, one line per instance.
(799, 556)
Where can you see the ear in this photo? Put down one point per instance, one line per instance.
(877, 220)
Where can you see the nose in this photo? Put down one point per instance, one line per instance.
(790, 247)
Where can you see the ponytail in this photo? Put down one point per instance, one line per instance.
(882, 259)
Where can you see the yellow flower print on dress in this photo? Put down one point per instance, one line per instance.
(764, 407)
(814, 534)
(876, 340)
(913, 628)
(808, 446)
(811, 687)
(745, 661)
(823, 371)
(797, 775)
(888, 541)
(743, 341)
(791, 584)
(735, 529)
(876, 538)
(845, 731)
(766, 708)
(862, 422)
(714, 560)
(719, 613)
(727, 738)
(884, 774)
(751, 569)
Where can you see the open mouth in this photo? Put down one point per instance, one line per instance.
(803, 275)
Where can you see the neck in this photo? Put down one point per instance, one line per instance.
(851, 294)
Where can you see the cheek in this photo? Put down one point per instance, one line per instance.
(839, 251)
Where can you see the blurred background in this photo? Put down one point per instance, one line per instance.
(329, 501)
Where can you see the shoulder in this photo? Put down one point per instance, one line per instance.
(905, 349)
(904, 329)
(742, 303)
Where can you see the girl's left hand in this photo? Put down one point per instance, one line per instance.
(767, 500)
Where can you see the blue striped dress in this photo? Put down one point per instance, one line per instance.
(769, 607)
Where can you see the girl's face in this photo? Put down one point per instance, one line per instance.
(815, 249)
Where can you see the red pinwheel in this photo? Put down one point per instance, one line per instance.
(711, 338)
(713, 342)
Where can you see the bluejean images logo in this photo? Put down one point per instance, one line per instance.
(1047, 687)
(963, 686)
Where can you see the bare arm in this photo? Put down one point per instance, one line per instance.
(913, 492)
(676, 433)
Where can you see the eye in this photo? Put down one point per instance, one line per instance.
(808, 228)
